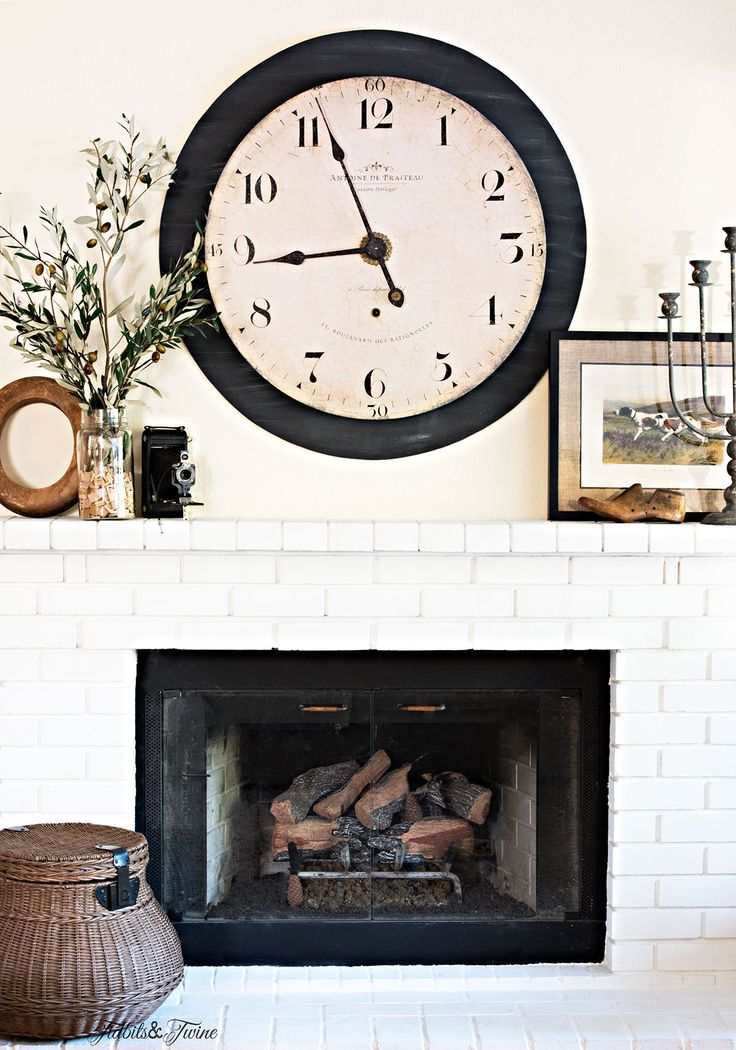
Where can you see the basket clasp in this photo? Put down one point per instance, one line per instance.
(123, 893)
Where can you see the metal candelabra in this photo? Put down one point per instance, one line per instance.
(727, 516)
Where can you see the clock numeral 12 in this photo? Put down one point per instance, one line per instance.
(377, 105)
(303, 130)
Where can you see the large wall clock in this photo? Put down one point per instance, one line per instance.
(392, 229)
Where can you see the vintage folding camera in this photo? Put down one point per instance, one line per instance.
(168, 474)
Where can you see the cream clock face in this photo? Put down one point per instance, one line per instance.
(375, 248)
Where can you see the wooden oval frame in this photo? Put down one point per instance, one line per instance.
(62, 494)
(370, 53)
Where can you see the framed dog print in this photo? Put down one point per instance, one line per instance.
(612, 421)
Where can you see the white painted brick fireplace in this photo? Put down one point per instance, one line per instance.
(77, 600)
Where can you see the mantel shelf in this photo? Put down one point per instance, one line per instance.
(432, 537)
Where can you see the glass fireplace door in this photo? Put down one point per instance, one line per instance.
(377, 807)
(234, 759)
(370, 804)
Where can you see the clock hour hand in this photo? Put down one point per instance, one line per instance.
(296, 258)
(395, 295)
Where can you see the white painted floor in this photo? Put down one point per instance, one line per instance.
(437, 1008)
(455, 1008)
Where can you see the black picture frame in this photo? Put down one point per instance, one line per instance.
(374, 53)
(712, 498)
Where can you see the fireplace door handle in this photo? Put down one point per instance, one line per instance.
(423, 708)
(317, 708)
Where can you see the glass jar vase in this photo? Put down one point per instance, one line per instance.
(105, 465)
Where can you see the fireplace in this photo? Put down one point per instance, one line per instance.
(377, 806)
(653, 598)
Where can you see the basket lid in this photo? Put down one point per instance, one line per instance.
(60, 853)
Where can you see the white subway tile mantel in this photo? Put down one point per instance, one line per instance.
(77, 599)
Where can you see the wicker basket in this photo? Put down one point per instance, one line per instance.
(69, 965)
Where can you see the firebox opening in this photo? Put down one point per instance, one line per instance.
(454, 836)
(348, 793)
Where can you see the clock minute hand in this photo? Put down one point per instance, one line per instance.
(296, 258)
(339, 154)
(395, 295)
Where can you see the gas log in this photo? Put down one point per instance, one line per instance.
(472, 801)
(377, 807)
(335, 805)
(454, 791)
(412, 808)
(292, 805)
(346, 812)
(350, 828)
(309, 836)
(431, 837)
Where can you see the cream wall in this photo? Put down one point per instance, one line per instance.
(642, 95)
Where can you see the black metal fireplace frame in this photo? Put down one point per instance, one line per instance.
(569, 938)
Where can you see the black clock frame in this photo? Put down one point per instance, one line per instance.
(382, 53)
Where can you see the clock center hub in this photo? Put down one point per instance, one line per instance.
(375, 247)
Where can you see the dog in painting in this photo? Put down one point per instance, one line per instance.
(668, 425)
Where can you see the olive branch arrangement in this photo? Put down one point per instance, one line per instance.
(59, 303)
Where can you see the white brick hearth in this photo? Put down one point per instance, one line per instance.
(78, 599)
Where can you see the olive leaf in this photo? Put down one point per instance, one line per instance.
(121, 306)
(56, 298)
